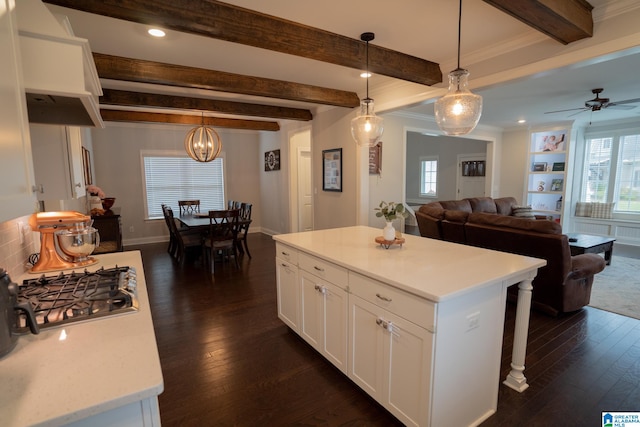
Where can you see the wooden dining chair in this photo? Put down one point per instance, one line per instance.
(245, 218)
(232, 204)
(173, 244)
(184, 239)
(223, 236)
(189, 207)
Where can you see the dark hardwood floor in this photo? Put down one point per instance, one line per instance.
(228, 360)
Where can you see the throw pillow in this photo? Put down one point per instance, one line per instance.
(602, 210)
(523, 212)
(584, 209)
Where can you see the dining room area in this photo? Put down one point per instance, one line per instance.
(201, 235)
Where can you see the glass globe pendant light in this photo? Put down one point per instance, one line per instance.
(203, 144)
(367, 128)
(458, 112)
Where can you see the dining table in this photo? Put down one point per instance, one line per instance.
(200, 221)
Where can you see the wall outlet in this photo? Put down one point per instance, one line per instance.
(131, 229)
(20, 232)
(473, 321)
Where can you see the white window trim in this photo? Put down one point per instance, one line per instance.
(425, 159)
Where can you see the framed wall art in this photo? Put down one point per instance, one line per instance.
(272, 160)
(375, 159)
(332, 170)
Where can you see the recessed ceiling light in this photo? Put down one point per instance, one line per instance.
(365, 75)
(156, 32)
(522, 121)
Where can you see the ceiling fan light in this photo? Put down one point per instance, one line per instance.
(458, 112)
(367, 128)
(203, 144)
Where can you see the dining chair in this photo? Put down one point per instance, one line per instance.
(173, 244)
(189, 207)
(185, 239)
(223, 235)
(232, 204)
(245, 218)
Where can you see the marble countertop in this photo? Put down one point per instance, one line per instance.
(78, 370)
(433, 269)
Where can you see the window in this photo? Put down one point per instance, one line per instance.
(429, 174)
(612, 171)
(172, 176)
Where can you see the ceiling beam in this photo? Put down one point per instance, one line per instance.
(563, 20)
(141, 71)
(184, 119)
(239, 25)
(140, 99)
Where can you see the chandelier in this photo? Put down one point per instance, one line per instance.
(366, 128)
(458, 112)
(203, 144)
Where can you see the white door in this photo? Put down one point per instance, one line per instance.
(471, 175)
(305, 197)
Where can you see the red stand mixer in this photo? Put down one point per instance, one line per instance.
(66, 240)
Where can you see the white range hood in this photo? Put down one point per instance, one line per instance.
(59, 75)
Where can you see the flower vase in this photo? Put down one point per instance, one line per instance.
(95, 203)
(388, 232)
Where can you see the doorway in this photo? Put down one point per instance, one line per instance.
(301, 200)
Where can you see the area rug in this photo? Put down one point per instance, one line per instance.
(617, 287)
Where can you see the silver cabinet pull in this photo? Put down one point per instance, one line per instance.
(318, 268)
(383, 298)
(284, 253)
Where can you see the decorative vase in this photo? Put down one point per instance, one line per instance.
(388, 232)
(95, 202)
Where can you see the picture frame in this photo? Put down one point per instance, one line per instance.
(539, 167)
(86, 165)
(332, 170)
(550, 141)
(272, 160)
(557, 184)
(375, 159)
(473, 168)
(558, 167)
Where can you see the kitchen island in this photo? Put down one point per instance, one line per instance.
(418, 326)
(99, 372)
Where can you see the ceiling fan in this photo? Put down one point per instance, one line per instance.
(597, 104)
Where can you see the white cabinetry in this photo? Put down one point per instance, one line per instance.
(57, 160)
(324, 308)
(288, 288)
(16, 173)
(390, 357)
(546, 179)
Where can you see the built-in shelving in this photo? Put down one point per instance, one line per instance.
(546, 179)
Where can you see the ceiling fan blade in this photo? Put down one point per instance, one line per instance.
(570, 109)
(626, 101)
(620, 107)
(579, 112)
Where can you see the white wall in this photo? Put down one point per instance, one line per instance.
(118, 170)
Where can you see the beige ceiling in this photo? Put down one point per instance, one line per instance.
(495, 48)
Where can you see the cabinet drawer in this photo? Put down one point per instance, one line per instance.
(323, 269)
(411, 307)
(287, 253)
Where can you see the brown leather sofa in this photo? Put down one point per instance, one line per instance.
(563, 285)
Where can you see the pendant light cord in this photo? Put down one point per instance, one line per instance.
(459, 30)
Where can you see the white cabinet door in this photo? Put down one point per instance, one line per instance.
(16, 172)
(391, 360)
(57, 160)
(324, 318)
(288, 293)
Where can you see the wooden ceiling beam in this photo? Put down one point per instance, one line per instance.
(184, 119)
(563, 20)
(141, 71)
(142, 99)
(239, 25)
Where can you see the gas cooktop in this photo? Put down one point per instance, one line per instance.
(73, 297)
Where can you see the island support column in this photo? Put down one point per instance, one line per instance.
(516, 379)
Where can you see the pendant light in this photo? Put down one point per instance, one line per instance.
(203, 144)
(458, 112)
(367, 128)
